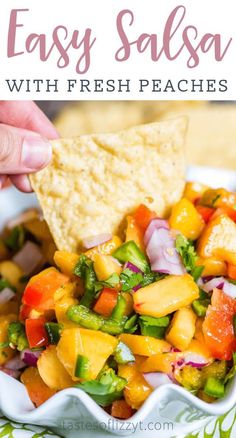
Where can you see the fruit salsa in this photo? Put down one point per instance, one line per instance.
(130, 313)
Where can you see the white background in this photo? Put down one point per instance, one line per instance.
(213, 16)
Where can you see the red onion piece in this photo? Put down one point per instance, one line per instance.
(16, 363)
(155, 224)
(6, 295)
(29, 257)
(196, 360)
(157, 379)
(132, 267)
(92, 241)
(220, 283)
(30, 357)
(217, 282)
(162, 253)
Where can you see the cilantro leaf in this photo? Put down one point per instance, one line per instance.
(112, 281)
(189, 256)
(130, 279)
(4, 283)
(16, 239)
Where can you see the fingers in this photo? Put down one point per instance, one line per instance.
(3, 180)
(22, 152)
(27, 115)
(22, 183)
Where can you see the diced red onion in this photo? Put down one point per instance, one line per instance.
(6, 295)
(207, 278)
(92, 241)
(162, 253)
(12, 373)
(132, 267)
(16, 363)
(30, 357)
(220, 283)
(157, 379)
(196, 360)
(175, 350)
(216, 282)
(155, 224)
(28, 258)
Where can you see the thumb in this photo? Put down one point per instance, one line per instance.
(22, 151)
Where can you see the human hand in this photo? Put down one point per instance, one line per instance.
(24, 145)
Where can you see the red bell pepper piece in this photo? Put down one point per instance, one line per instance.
(106, 302)
(143, 216)
(39, 292)
(205, 212)
(36, 332)
(218, 327)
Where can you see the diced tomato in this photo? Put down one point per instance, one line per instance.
(218, 327)
(143, 216)
(230, 212)
(39, 292)
(121, 409)
(232, 271)
(205, 212)
(106, 302)
(36, 332)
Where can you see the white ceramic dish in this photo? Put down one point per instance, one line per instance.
(169, 411)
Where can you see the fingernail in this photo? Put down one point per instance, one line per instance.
(36, 152)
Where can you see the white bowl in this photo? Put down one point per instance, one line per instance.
(170, 410)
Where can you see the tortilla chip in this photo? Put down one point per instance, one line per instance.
(95, 180)
(211, 136)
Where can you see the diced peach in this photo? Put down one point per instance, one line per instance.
(66, 261)
(212, 266)
(144, 345)
(161, 362)
(182, 328)
(105, 266)
(218, 240)
(52, 371)
(137, 389)
(194, 190)
(166, 296)
(38, 391)
(186, 219)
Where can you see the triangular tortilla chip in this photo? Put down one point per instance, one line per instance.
(94, 180)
